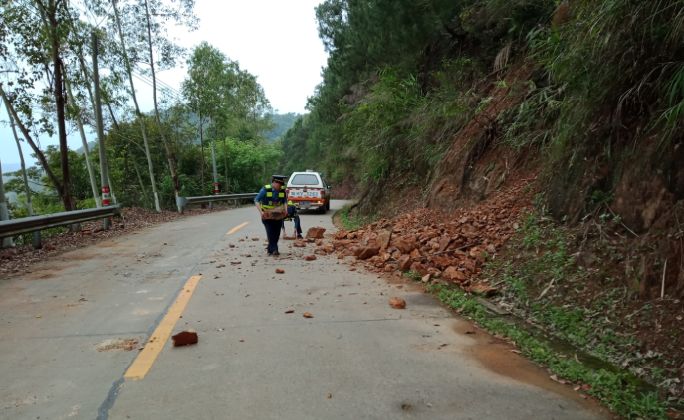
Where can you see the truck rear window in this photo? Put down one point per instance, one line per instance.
(304, 179)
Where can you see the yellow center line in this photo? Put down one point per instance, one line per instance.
(236, 228)
(142, 364)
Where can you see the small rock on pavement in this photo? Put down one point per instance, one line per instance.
(185, 338)
(397, 303)
(310, 257)
(307, 315)
(315, 232)
(280, 271)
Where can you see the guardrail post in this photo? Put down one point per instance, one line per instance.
(181, 203)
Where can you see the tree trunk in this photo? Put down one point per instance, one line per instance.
(225, 165)
(37, 243)
(129, 72)
(201, 136)
(170, 157)
(39, 153)
(4, 212)
(86, 149)
(61, 105)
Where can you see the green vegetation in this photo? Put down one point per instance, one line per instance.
(614, 388)
(351, 220)
(219, 118)
(606, 83)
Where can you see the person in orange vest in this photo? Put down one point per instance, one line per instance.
(269, 197)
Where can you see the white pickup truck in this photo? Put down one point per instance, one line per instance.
(308, 191)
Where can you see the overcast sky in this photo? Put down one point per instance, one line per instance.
(276, 40)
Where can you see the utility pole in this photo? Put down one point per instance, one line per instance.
(104, 173)
(213, 166)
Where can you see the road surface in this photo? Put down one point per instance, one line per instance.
(72, 330)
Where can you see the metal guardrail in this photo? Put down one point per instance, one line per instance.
(185, 201)
(35, 223)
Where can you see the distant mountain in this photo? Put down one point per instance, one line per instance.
(91, 146)
(283, 122)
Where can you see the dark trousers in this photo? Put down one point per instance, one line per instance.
(292, 214)
(298, 224)
(273, 233)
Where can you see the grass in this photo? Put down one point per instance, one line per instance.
(616, 389)
(353, 221)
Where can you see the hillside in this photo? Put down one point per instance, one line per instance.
(444, 107)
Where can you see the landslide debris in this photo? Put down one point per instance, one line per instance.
(435, 245)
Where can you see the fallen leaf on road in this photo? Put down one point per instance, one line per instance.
(329, 396)
(307, 315)
(231, 246)
(280, 271)
(235, 262)
(220, 266)
(397, 303)
(310, 257)
(289, 311)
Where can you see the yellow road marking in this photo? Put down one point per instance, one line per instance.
(155, 344)
(236, 228)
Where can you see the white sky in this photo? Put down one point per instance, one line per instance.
(276, 40)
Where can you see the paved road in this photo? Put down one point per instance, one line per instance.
(62, 326)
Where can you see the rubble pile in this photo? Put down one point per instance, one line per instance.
(435, 245)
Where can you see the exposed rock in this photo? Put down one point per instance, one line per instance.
(397, 303)
(368, 252)
(404, 262)
(185, 338)
(383, 239)
(315, 232)
(454, 274)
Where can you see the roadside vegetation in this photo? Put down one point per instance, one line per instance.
(217, 127)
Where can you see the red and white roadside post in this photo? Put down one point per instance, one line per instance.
(105, 195)
(107, 222)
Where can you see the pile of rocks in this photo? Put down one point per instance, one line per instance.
(436, 245)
